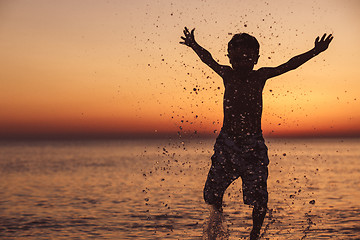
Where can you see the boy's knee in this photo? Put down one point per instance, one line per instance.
(213, 198)
(261, 207)
(209, 196)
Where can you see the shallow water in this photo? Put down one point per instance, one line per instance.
(152, 189)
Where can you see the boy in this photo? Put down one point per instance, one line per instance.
(240, 150)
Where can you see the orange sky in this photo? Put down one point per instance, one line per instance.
(113, 67)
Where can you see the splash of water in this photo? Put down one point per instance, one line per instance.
(215, 227)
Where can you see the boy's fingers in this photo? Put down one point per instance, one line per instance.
(183, 38)
(323, 37)
(317, 39)
(329, 37)
(192, 31)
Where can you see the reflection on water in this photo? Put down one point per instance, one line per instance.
(153, 190)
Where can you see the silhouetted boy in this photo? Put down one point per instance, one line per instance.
(240, 150)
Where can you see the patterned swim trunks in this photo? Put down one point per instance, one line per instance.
(247, 159)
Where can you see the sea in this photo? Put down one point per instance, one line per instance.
(152, 189)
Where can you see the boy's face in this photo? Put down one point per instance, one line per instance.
(243, 59)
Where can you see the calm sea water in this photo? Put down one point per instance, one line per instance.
(153, 190)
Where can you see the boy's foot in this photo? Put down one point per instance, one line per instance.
(215, 228)
(254, 235)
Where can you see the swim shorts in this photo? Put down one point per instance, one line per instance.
(246, 158)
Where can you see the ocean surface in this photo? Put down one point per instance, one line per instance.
(152, 189)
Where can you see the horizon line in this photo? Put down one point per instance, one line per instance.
(161, 135)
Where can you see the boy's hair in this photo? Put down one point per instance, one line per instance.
(243, 40)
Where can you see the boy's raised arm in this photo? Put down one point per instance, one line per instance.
(320, 46)
(205, 56)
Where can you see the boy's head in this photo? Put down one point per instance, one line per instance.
(243, 51)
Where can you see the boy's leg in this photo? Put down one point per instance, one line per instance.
(215, 186)
(220, 176)
(258, 216)
(255, 194)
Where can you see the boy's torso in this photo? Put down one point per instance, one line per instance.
(242, 103)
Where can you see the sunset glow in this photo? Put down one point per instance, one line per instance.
(99, 68)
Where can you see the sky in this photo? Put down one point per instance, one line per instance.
(115, 68)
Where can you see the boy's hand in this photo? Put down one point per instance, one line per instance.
(322, 44)
(189, 39)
